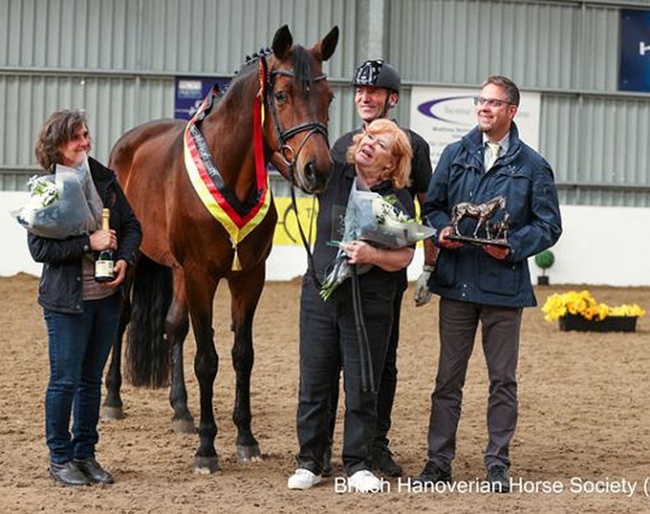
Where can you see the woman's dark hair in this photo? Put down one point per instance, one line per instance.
(60, 128)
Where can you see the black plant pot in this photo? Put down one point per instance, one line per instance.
(542, 280)
(609, 324)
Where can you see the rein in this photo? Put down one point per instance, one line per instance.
(290, 158)
(365, 357)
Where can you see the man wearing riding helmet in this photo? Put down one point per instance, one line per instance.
(377, 86)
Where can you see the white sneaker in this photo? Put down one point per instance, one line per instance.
(303, 479)
(364, 481)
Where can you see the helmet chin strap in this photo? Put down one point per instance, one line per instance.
(387, 106)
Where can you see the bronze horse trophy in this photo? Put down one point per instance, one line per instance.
(485, 232)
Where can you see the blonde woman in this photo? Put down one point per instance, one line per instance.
(379, 158)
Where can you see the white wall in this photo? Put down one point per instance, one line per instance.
(14, 255)
(600, 245)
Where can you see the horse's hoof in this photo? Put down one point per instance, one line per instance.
(206, 465)
(113, 414)
(248, 453)
(183, 426)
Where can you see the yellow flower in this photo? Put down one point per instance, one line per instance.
(585, 305)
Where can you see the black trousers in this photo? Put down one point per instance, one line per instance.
(458, 324)
(329, 343)
(387, 384)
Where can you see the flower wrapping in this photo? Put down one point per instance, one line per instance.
(374, 219)
(61, 205)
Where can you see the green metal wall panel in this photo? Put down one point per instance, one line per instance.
(118, 58)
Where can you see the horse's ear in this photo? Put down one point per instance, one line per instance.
(282, 42)
(326, 46)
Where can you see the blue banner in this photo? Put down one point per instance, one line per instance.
(190, 92)
(634, 71)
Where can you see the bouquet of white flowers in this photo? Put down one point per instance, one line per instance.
(372, 218)
(61, 205)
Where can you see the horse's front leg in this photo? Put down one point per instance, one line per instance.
(245, 290)
(479, 224)
(113, 402)
(176, 328)
(200, 289)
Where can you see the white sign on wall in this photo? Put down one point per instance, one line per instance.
(444, 115)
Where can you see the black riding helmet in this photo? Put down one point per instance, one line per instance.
(377, 73)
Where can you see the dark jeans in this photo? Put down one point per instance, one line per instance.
(79, 345)
(329, 342)
(387, 384)
(500, 333)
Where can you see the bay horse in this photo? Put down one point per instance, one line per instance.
(276, 108)
(481, 212)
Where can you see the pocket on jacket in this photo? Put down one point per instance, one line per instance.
(498, 277)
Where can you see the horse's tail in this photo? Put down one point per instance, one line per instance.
(147, 351)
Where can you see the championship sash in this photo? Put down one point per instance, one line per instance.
(237, 217)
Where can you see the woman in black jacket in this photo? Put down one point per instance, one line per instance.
(81, 314)
(379, 158)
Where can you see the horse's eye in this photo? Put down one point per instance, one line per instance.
(281, 97)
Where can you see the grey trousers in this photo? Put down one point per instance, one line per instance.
(500, 327)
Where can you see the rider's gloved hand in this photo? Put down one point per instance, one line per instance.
(422, 293)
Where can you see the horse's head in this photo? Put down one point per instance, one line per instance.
(298, 98)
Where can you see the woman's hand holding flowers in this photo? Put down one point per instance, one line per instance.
(360, 252)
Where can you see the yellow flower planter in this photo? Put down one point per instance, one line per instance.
(580, 311)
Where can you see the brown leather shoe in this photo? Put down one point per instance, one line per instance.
(68, 474)
(93, 471)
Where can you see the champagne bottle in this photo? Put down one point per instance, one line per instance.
(104, 265)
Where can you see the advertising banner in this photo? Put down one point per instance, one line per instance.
(286, 230)
(634, 70)
(189, 92)
(444, 115)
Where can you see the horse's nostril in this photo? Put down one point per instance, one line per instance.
(310, 172)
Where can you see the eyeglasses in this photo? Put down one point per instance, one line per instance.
(490, 102)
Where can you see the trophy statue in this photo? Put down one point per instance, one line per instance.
(485, 232)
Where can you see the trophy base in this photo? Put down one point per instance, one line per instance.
(477, 241)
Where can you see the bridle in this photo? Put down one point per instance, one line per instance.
(288, 155)
(267, 79)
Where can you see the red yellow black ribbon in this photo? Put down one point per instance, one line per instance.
(237, 217)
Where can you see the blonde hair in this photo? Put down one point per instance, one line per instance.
(59, 128)
(400, 150)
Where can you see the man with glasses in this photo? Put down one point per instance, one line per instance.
(487, 284)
